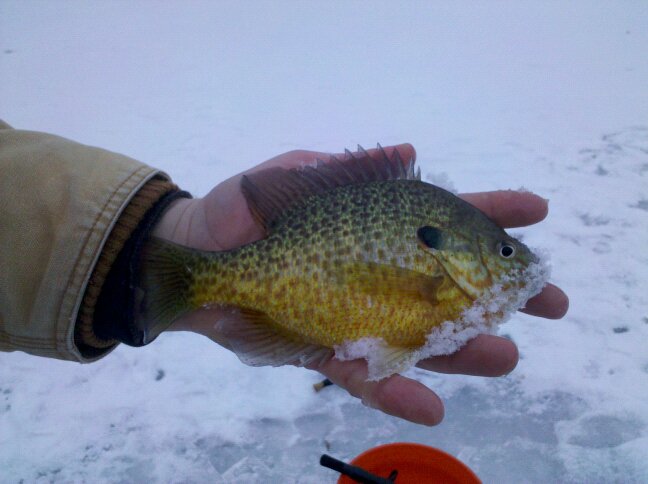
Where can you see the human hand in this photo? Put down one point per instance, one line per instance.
(221, 221)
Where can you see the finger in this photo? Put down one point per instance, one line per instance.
(509, 208)
(396, 395)
(551, 303)
(486, 355)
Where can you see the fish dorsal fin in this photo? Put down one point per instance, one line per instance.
(271, 191)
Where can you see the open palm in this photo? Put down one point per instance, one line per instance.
(221, 221)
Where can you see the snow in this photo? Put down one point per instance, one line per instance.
(441, 180)
(548, 95)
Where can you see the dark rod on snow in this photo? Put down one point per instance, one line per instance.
(322, 384)
(358, 474)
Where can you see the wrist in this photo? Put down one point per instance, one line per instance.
(185, 223)
(174, 223)
(112, 315)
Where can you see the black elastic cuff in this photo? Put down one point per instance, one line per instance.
(115, 311)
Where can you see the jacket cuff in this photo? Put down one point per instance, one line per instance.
(103, 322)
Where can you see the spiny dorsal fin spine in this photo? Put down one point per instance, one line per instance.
(271, 192)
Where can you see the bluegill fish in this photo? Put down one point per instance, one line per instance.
(361, 257)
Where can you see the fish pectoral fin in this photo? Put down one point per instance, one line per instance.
(372, 278)
(255, 339)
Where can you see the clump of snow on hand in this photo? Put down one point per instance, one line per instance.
(441, 180)
(484, 316)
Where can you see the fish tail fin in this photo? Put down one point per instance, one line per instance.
(165, 286)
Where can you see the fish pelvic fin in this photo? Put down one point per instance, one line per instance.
(164, 290)
(388, 361)
(270, 192)
(383, 359)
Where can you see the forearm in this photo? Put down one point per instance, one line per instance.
(67, 210)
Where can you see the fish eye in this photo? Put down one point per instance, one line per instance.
(506, 249)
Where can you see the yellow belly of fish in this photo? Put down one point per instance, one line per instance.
(328, 315)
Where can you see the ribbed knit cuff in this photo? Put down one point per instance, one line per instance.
(106, 303)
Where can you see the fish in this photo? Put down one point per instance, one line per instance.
(361, 258)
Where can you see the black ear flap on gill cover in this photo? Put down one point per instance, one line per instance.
(431, 237)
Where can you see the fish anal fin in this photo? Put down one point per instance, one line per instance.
(256, 340)
(271, 191)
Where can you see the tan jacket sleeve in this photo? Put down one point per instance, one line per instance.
(59, 203)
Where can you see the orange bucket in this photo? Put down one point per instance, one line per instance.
(415, 463)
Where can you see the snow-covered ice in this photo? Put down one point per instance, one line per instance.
(549, 95)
